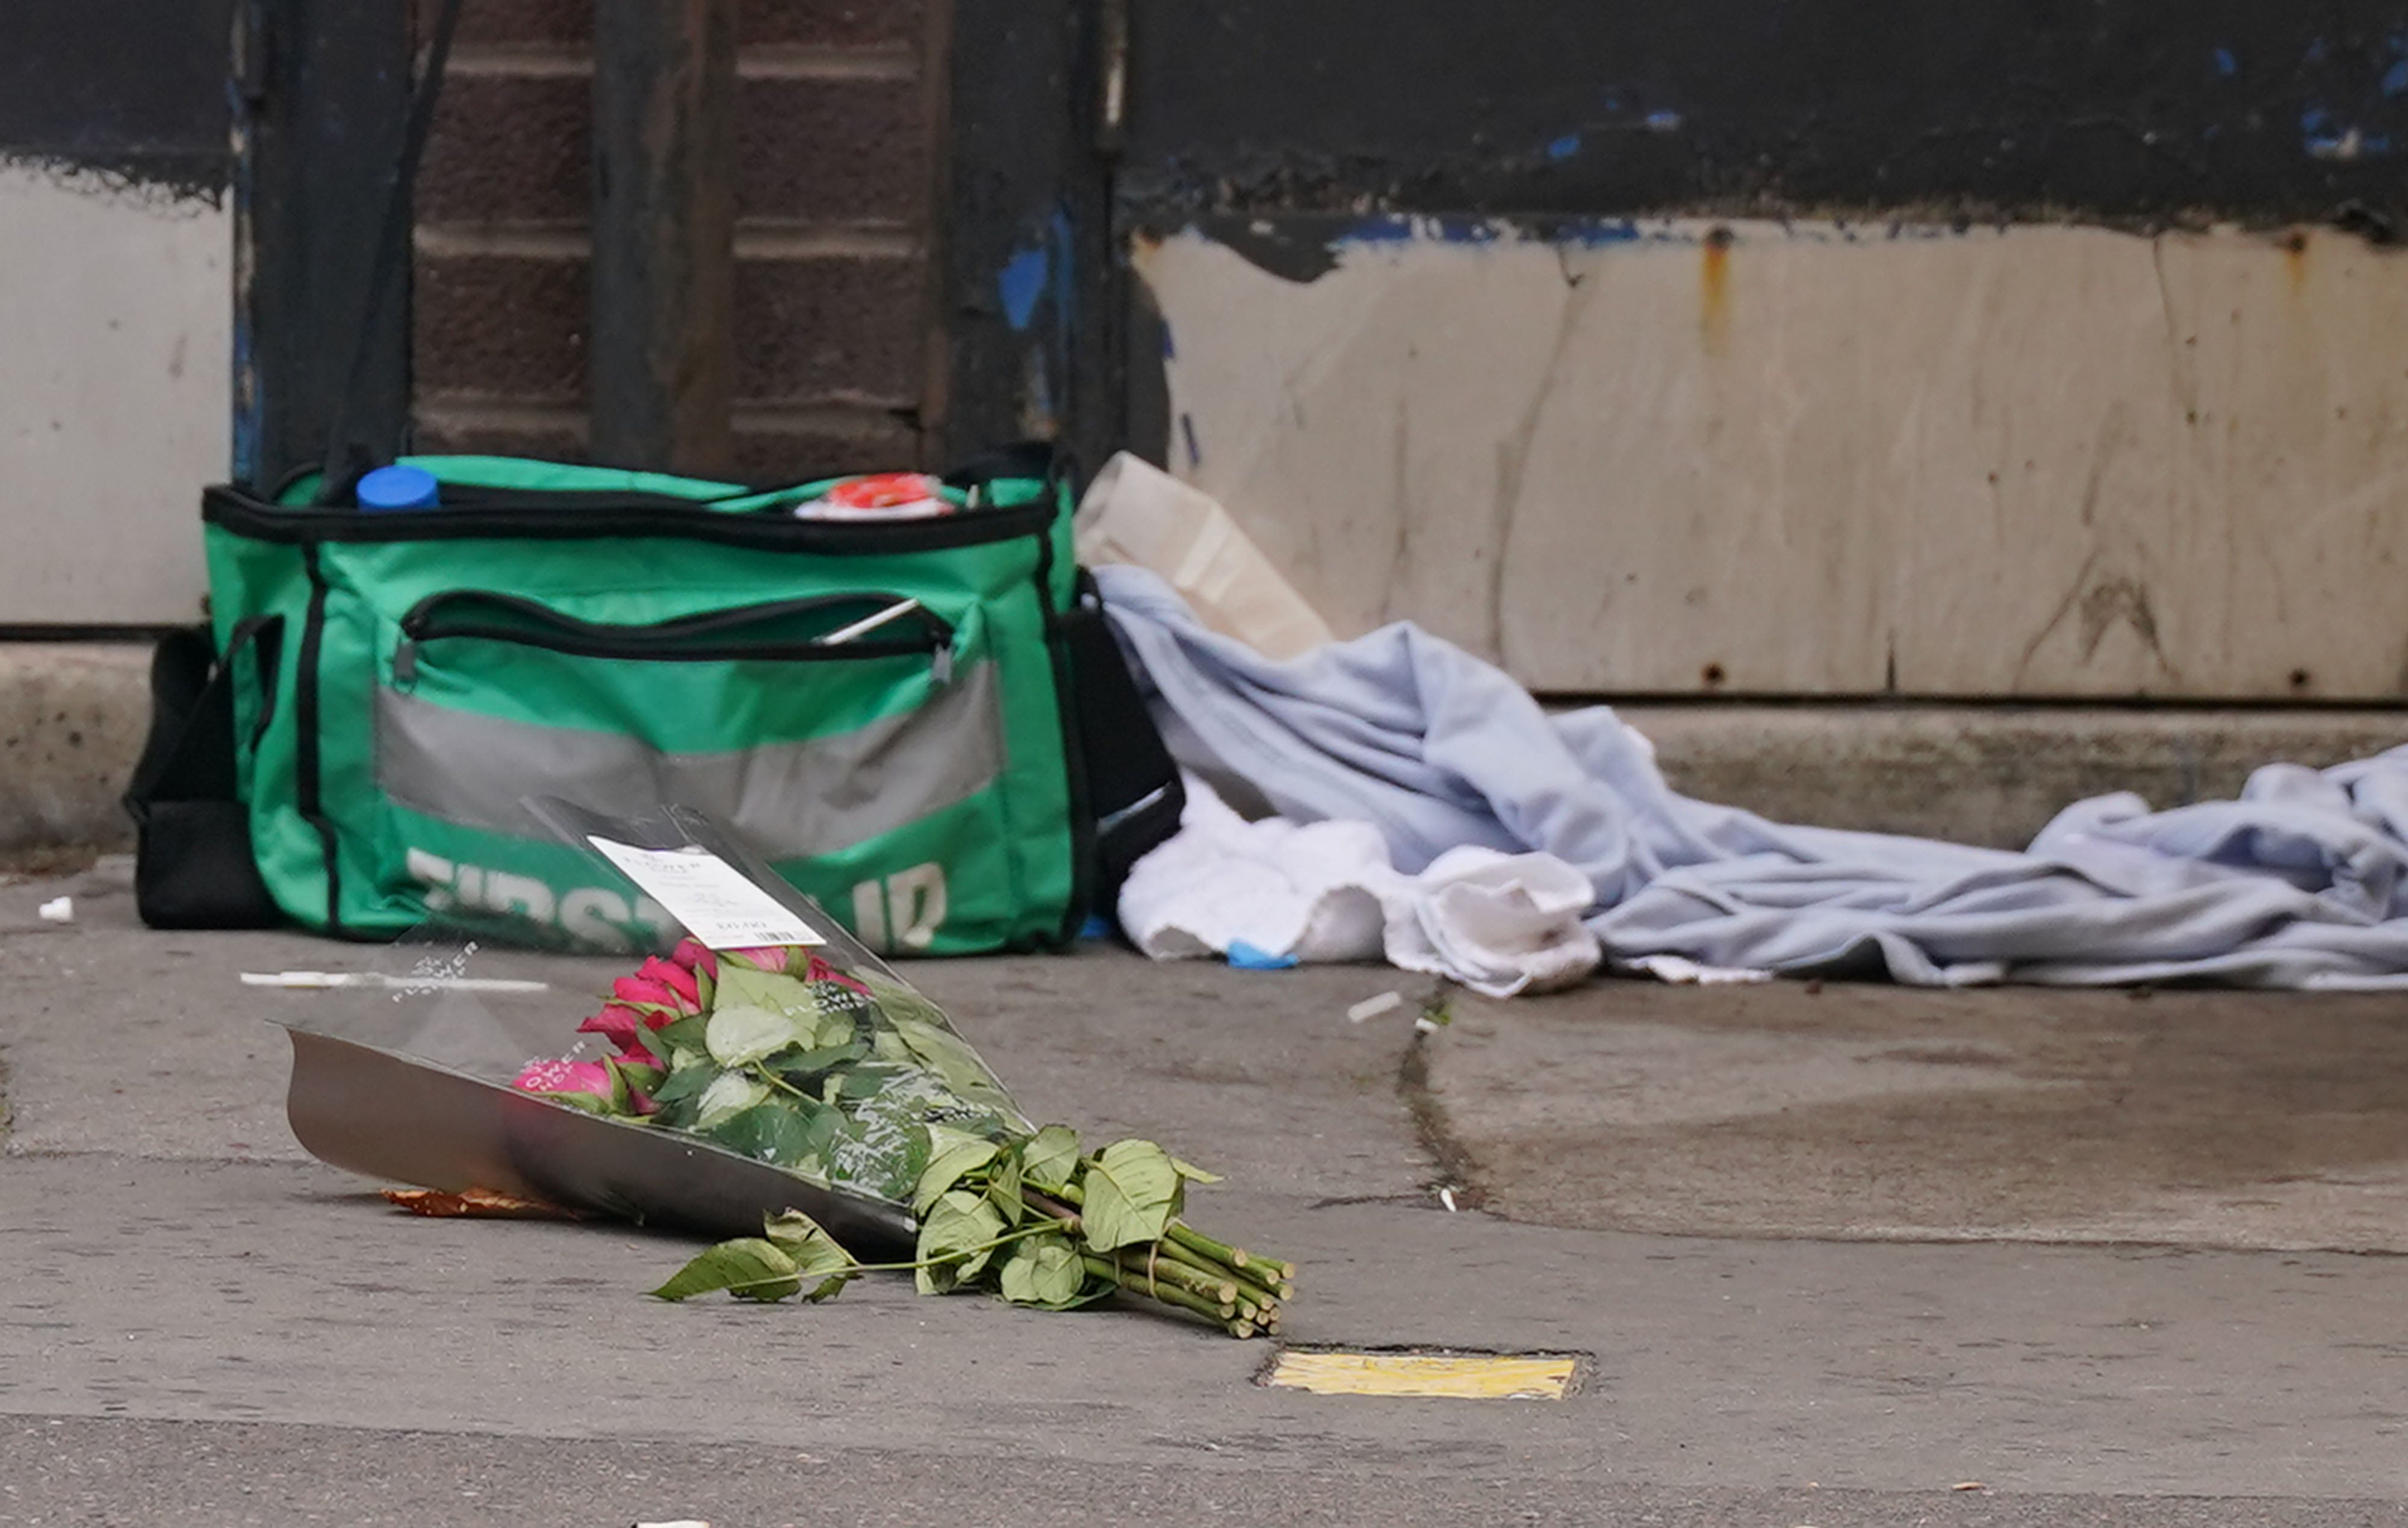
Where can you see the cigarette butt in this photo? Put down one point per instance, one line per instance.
(1374, 1007)
(318, 979)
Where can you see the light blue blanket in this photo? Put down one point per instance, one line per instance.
(2302, 882)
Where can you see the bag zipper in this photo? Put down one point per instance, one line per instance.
(611, 515)
(711, 636)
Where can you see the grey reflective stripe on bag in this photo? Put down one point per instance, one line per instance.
(789, 801)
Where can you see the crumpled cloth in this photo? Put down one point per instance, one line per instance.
(1499, 924)
(2301, 882)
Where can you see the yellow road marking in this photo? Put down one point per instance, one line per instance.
(1460, 1377)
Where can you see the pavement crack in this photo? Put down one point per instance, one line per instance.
(1430, 1122)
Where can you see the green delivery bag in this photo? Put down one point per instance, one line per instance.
(882, 709)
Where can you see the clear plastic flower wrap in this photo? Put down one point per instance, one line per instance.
(765, 1073)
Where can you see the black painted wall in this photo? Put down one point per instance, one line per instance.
(1280, 121)
(135, 89)
(2123, 111)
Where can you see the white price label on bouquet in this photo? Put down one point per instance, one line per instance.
(718, 904)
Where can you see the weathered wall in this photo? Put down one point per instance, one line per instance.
(1682, 457)
(1795, 347)
(113, 397)
(834, 187)
(114, 240)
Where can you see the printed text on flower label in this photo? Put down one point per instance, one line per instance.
(718, 904)
(902, 913)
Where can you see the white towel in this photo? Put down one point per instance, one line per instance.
(1500, 924)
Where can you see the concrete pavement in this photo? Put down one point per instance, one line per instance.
(201, 1325)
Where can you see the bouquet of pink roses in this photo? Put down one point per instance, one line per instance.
(845, 1076)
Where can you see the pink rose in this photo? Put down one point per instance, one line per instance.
(567, 1076)
(771, 957)
(599, 1086)
(643, 993)
(820, 970)
(619, 1024)
(677, 978)
(690, 955)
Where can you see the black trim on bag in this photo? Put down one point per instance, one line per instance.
(308, 759)
(267, 660)
(615, 518)
(1074, 756)
(683, 638)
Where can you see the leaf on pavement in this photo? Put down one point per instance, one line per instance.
(816, 1253)
(748, 1268)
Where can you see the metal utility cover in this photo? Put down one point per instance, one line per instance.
(1461, 1377)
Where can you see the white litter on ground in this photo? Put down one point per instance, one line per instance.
(1373, 1007)
(58, 910)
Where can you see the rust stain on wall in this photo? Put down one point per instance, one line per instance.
(1713, 291)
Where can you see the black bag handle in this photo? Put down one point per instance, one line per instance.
(193, 866)
(190, 753)
(346, 459)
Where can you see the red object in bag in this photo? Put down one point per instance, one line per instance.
(883, 495)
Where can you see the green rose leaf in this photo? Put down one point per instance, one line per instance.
(685, 1034)
(889, 1161)
(1132, 1193)
(1051, 1158)
(636, 1074)
(1003, 1186)
(777, 1130)
(816, 1253)
(952, 1157)
(743, 1031)
(901, 1005)
(954, 1224)
(773, 991)
(1046, 1271)
(834, 1026)
(731, 1093)
(795, 1068)
(748, 1268)
(684, 1083)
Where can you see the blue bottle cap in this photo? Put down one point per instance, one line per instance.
(398, 488)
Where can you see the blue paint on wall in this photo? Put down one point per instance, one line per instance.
(1020, 283)
(2226, 64)
(2395, 79)
(1064, 261)
(1585, 233)
(1570, 144)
